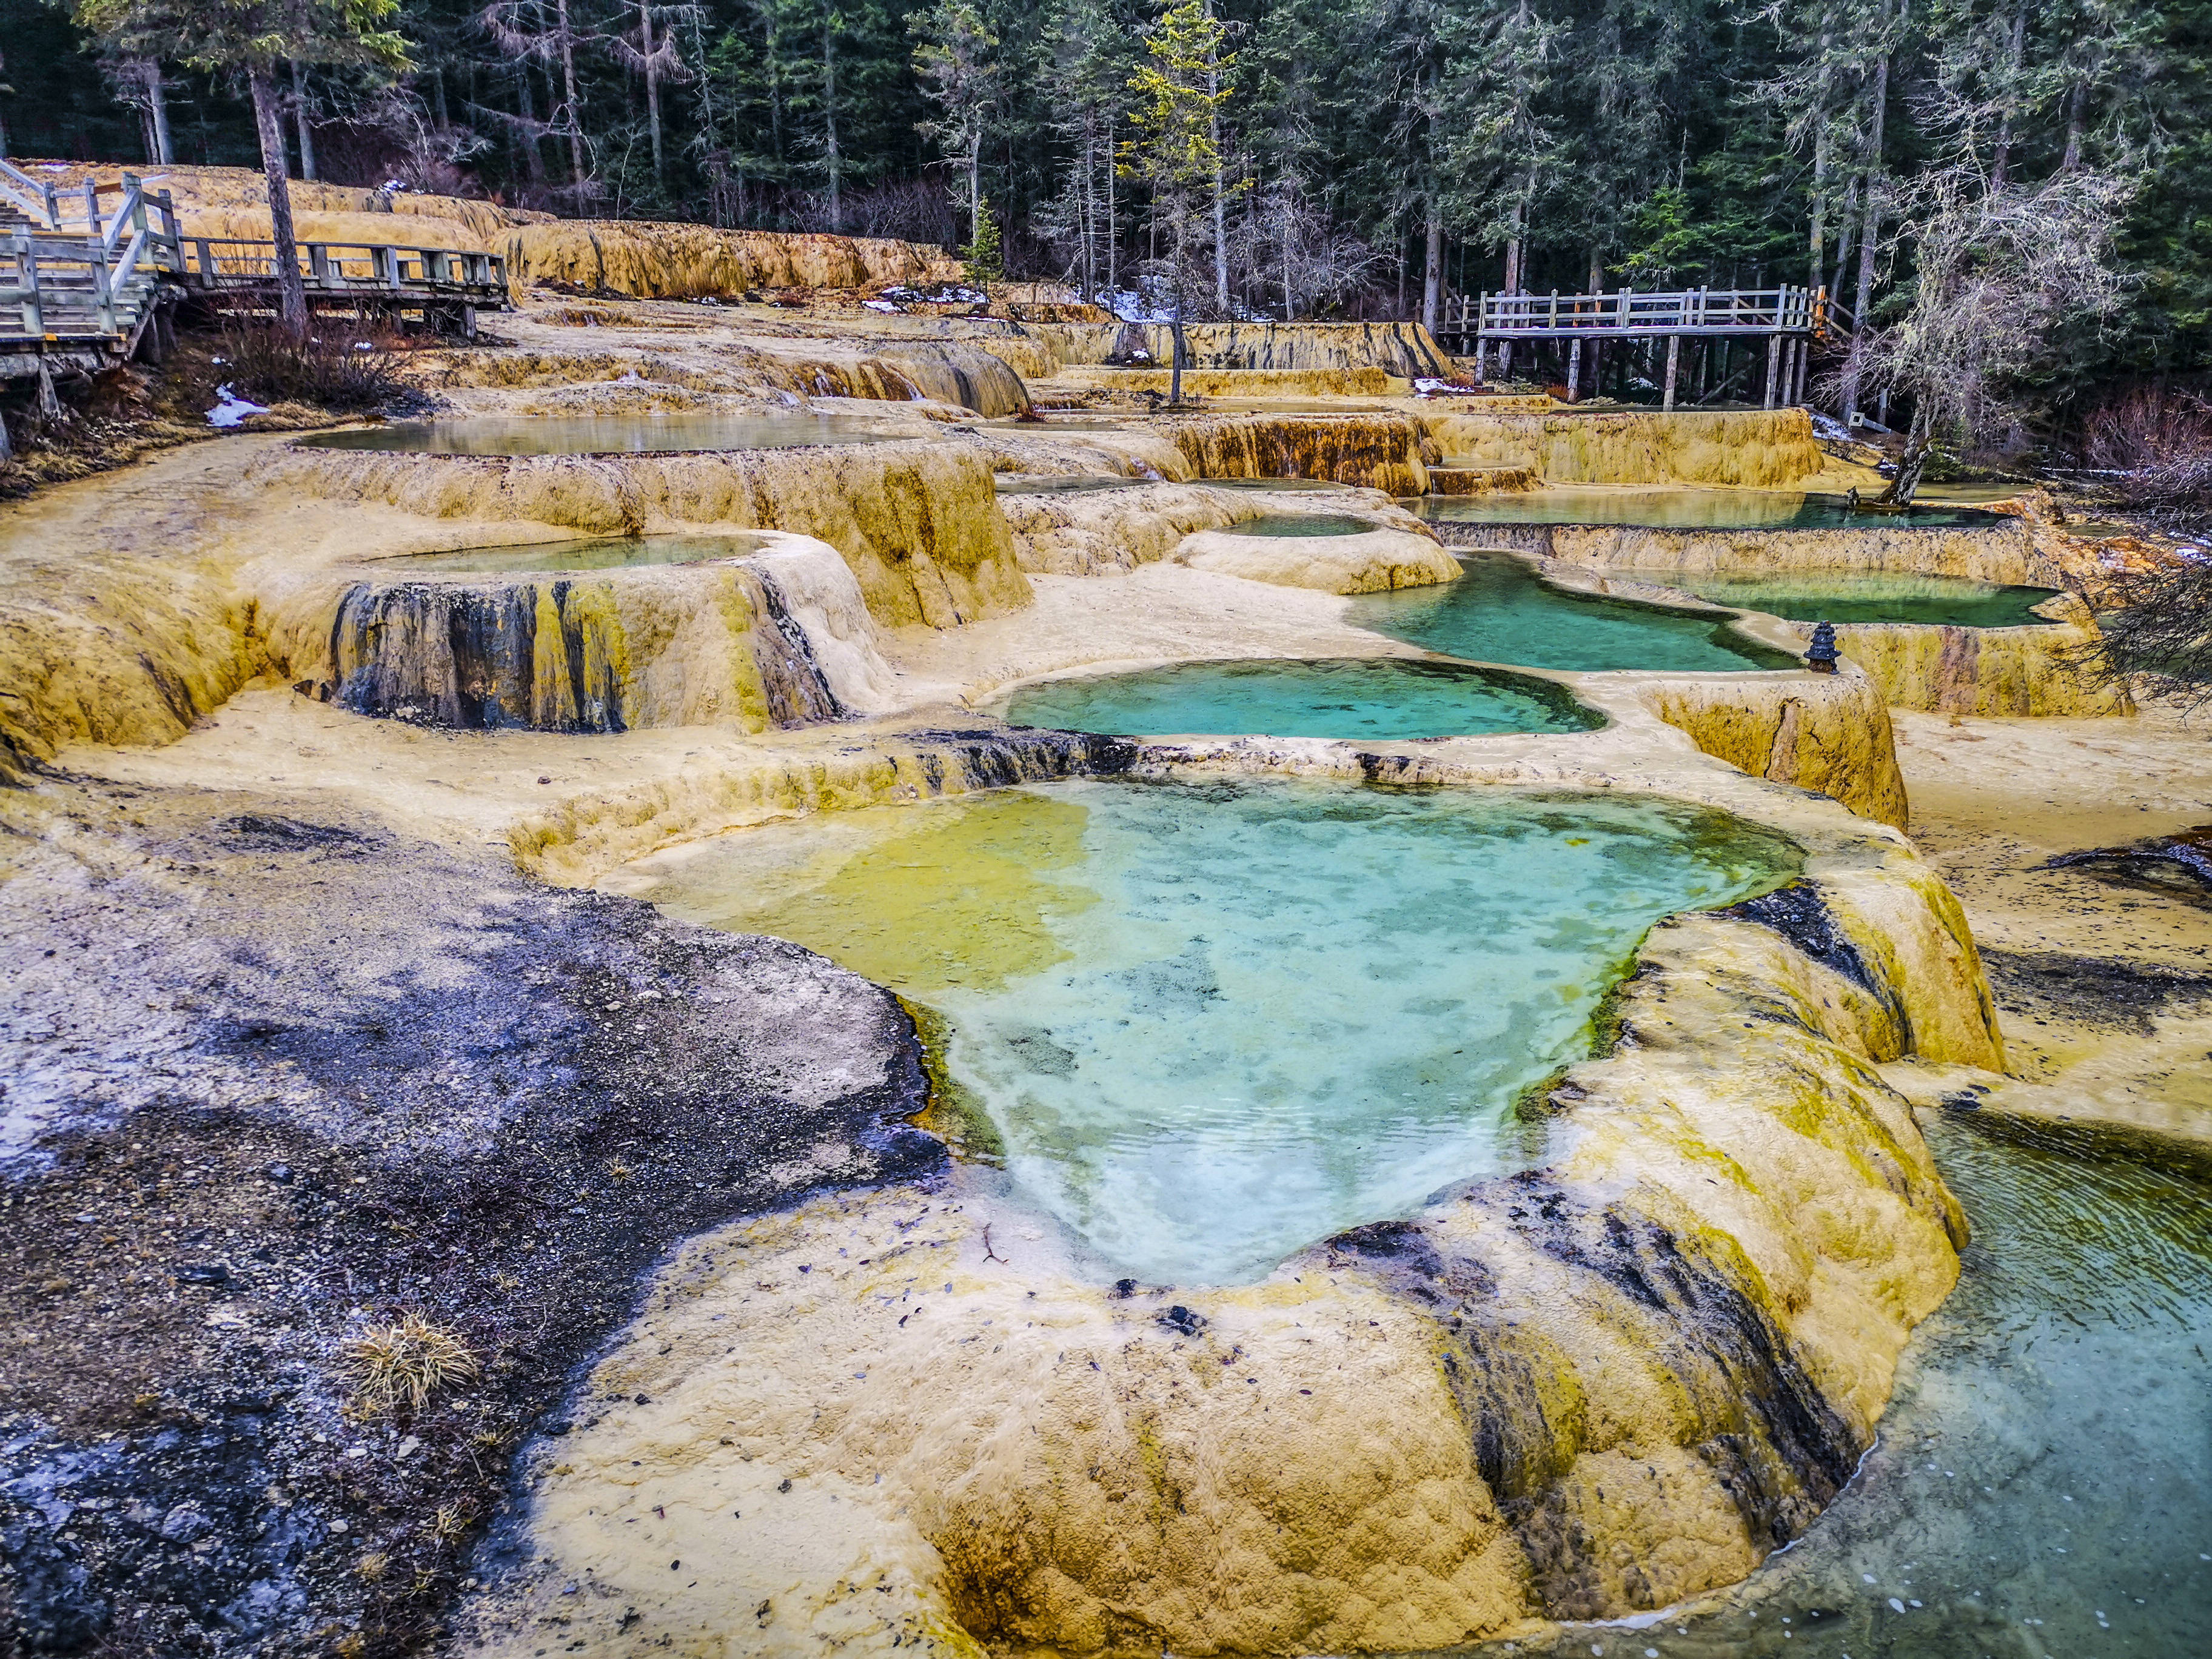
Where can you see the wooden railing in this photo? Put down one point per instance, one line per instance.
(90, 278)
(215, 264)
(1630, 315)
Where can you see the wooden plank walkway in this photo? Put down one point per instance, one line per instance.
(89, 286)
(1792, 321)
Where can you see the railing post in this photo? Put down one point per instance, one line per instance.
(134, 197)
(92, 208)
(27, 279)
(53, 209)
(206, 260)
(319, 263)
(103, 292)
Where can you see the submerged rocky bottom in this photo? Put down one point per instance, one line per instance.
(2043, 1483)
(1206, 1025)
(1500, 611)
(1379, 699)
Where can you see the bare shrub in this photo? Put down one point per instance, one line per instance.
(400, 1365)
(2157, 628)
(337, 368)
(2158, 440)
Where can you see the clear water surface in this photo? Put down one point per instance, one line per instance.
(1683, 509)
(1380, 699)
(592, 553)
(1862, 596)
(1064, 484)
(1210, 1026)
(1269, 483)
(2043, 1483)
(605, 435)
(1302, 523)
(1500, 611)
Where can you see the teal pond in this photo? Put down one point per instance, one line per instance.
(1204, 1026)
(1684, 509)
(1862, 596)
(589, 553)
(2042, 1484)
(1501, 611)
(1374, 699)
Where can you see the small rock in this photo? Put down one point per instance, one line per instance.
(1180, 1318)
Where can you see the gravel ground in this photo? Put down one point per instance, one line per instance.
(271, 1080)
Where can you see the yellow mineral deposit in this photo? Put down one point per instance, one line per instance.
(911, 1417)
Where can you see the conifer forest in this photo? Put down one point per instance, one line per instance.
(1285, 158)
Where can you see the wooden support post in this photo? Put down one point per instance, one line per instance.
(1773, 367)
(27, 283)
(1674, 358)
(1804, 357)
(50, 405)
(92, 208)
(1574, 370)
(205, 255)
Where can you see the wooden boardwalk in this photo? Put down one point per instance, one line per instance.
(1791, 322)
(90, 285)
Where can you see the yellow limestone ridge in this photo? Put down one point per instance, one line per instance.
(2006, 552)
(654, 646)
(1996, 672)
(1402, 350)
(916, 521)
(1585, 1392)
(1769, 448)
(1379, 450)
(1376, 561)
(1827, 733)
(683, 262)
(1240, 382)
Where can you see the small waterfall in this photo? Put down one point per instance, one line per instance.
(562, 654)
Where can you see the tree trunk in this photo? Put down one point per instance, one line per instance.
(1432, 276)
(2076, 97)
(526, 107)
(2016, 50)
(1906, 484)
(291, 288)
(299, 120)
(1818, 235)
(1869, 234)
(571, 108)
(652, 88)
(829, 120)
(157, 104)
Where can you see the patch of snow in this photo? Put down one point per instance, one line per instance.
(1828, 427)
(880, 305)
(230, 409)
(1427, 387)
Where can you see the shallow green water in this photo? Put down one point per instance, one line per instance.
(1078, 484)
(1683, 509)
(1270, 483)
(1853, 597)
(1377, 698)
(1209, 1025)
(593, 553)
(1500, 611)
(1302, 523)
(2042, 1484)
(604, 434)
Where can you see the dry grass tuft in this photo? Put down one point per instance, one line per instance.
(372, 1568)
(405, 1363)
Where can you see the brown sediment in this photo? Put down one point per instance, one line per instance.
(1480, 480)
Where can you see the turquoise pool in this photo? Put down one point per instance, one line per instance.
(1379, 699)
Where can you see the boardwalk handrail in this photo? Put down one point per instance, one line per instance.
(221, 263)
(33, 197)
(1627, 313)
